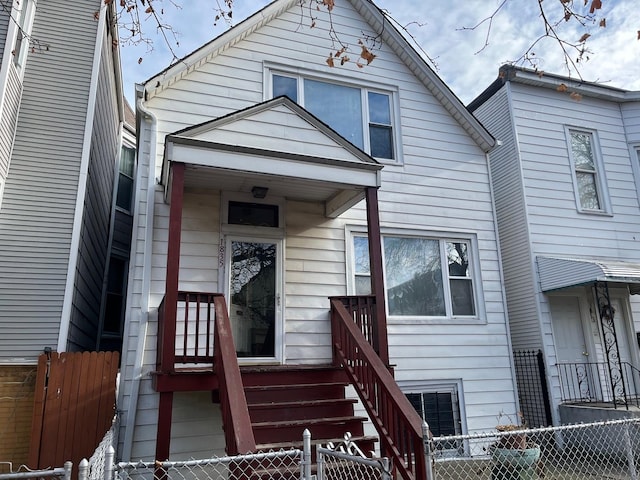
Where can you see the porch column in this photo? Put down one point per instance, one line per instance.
(167, 361)
(377, 279)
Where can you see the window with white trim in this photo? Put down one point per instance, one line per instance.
(363, 116)
(439, 406)
(587, 174)
(124, 196)
(424, 277)
(24, 21)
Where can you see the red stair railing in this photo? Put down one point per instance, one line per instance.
(238, 431)
(397, 422)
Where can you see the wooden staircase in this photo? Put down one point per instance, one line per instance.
(283, 401)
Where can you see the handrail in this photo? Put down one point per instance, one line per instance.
(397, 422)
(591, 382)
(238, 431)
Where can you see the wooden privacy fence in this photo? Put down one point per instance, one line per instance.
(75, 399)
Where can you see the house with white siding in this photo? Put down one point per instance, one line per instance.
(300, 228)
(61, 115)
(567, 181)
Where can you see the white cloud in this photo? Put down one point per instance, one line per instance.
(614, 60)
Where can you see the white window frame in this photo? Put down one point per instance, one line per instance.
(443, 238)
(453, 386)
(600, 179)
(131, 177)
(22, 16)
(301, 74)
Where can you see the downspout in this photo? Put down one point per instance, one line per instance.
(83, 176)
(138, 372)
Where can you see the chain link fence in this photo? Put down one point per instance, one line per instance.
(602, 451)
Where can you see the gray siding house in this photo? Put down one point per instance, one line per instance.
(566, 179)
(61, 114)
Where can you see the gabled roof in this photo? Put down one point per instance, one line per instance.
(299, 157)
(300, 133)
(525, 76)
(378, 22)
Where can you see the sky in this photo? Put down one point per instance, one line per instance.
(461, 58)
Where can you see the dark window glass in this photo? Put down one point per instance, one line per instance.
(256, 214)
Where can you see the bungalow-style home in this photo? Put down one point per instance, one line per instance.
(300, 227)
(61, 114)
(567, 183)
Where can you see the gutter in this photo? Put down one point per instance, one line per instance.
(143, 311)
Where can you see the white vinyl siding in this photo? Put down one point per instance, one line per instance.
(427, 192)
(556, 227)
(511, 212)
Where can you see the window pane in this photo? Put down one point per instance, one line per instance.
(381, 140)
(582, 151)
(125, 192)
(414, 277)
(363, 285)
(458, 259)
(338, 106)
(285, 86)
(361, 253)
(127, 161)
(256, 214)
(379, 111)
(462, 297)
(588, 190)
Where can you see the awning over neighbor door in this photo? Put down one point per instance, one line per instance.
(557, 273)
(278, 145)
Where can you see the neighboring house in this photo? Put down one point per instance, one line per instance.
(567, 180)
(279, 182)
(61, 114)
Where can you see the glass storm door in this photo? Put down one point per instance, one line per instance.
(254, 297)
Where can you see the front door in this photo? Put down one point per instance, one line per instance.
(579, 378)
(253, 295)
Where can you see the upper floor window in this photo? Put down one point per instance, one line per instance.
(24, 21)
(424, 277)
(124, 196)
(361, 115)
(589, 186)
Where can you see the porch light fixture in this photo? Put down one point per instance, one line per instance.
(259, 192)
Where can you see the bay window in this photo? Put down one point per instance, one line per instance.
(362, 116)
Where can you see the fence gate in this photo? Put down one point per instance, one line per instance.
(75, 400)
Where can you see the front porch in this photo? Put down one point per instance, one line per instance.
(267, 335)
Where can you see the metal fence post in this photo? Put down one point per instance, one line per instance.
(306, 454)
(428, 458)
(633, 475)
(108, 462)
(68, 465)
(83, 469)
(386, 469)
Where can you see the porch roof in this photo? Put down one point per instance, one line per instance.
(278, 145)
(556, 273)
